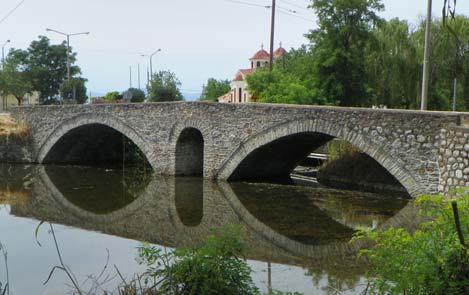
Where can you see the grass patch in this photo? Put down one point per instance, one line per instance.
(11, 130)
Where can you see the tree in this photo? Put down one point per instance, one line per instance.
(339, 48)
(292, 80)
(47, 67)
(74, 90)
(392, 66)
(137, 95)
(113, 96)
(164, 86)
(14, 80)
(214, 89)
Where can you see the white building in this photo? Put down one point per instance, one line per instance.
(239, 92)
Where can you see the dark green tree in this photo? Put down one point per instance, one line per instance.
(74, 90)
(164, 86)
(113, 96)
(14, 80)
(339, 42)
(137, 95)
(393, 66)
(46, 64)
(214, 89)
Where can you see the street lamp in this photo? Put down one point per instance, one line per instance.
(3, 53)
(151, 61)
(68, 47)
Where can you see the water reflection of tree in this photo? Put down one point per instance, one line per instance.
(341, 274)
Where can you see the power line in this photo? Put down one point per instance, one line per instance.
(12, 11)
(249, 3)
(294, 4)
(284, 10)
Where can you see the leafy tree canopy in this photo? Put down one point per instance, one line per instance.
(164, 86)
(339, 48)
(214, 89)
(137, 95)
(14, 80)
(74, 90)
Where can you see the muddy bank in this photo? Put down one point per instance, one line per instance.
(15, 142)
(358, 171)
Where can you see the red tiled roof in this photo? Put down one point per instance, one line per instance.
(238, 77)
(279, 52)
(243, 73)
(247, 72)
(261, 54)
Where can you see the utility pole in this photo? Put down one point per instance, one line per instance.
(3, 53)
(426, 59)
(272, 36)
(138, 76)
(130, 76)
(68, 48)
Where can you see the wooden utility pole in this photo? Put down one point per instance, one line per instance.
(426, 58)
(272, 37)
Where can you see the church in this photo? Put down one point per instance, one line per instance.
(239, 92)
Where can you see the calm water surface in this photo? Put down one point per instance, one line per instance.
(297, 236)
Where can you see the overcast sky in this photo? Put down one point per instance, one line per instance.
(199, 38)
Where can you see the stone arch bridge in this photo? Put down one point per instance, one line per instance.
(427, 152)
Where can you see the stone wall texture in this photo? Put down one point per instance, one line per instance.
(427, 152)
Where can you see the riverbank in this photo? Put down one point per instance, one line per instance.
(14, 141)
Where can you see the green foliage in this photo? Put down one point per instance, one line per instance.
(214, 89)
(337, 149)
(74, 90)
(281, 87)
(112, 96)
(47, 65)
(213, 268)
(430, 260)
(339, 48)
(137, 95)
(164, 86)
(393, 66)
(14, 80)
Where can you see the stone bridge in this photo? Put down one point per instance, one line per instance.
(427, 152)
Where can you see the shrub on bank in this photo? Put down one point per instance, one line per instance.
(431, 260)
(216, 267)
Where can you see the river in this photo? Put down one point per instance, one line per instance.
(297, 236)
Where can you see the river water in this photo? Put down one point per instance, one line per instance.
(297, 237)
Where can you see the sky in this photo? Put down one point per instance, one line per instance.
(199, 38)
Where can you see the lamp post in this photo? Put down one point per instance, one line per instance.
(151, 61)
(68, 47)
(3, 53)
(426, 58)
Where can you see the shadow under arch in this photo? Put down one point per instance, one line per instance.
(323, 131)
(113, 127)
(190, 153)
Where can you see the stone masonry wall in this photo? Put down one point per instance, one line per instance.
(454, 156)
(406, 143)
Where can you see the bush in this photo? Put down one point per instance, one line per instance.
(432, 260)
(213, 268)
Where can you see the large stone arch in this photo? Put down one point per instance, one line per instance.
(89, 119)
(394, 166)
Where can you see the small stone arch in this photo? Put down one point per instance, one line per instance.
(197, 125)
(90, 119)
(190, 153)
(394, 166)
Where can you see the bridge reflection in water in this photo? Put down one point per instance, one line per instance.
(301, 226)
